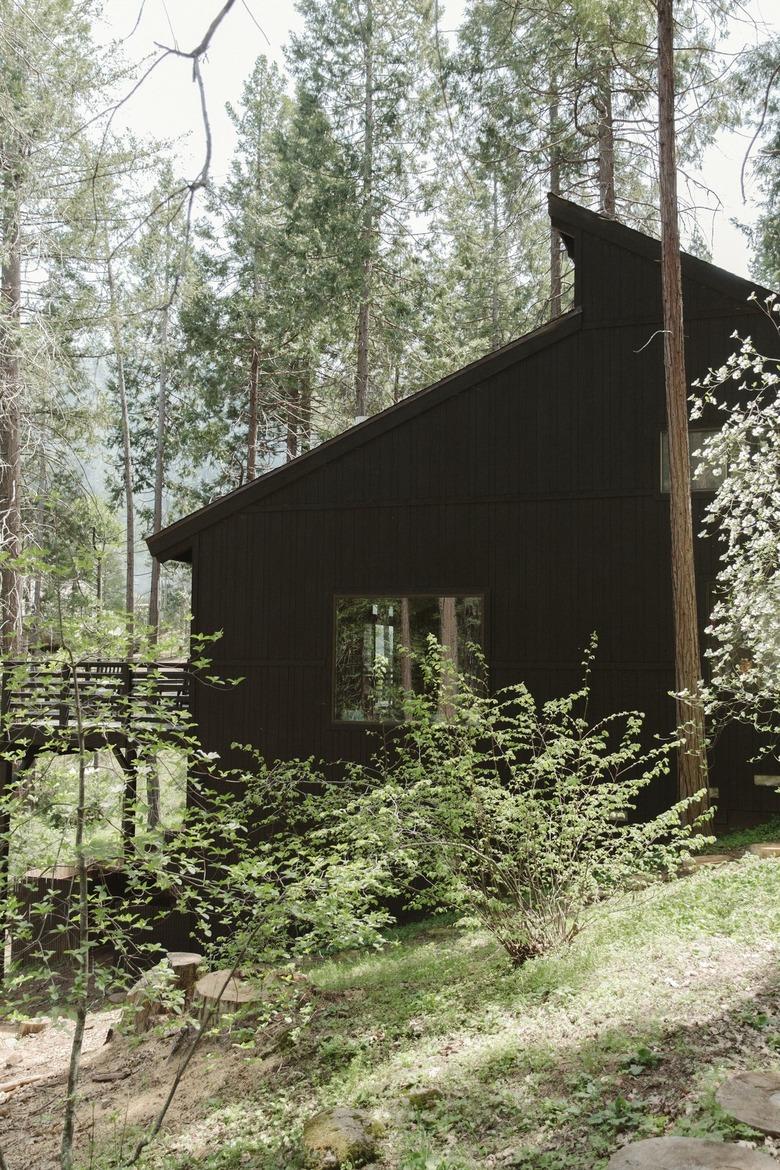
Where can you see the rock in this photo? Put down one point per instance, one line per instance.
(767, 850)
(704, 861)
(338, 1137)
(754, 1099)
(423, 1097)
(116, 996)
(31, 1027)
(222, 991)
(672, 1153)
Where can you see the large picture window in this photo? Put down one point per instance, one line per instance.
(378, 641)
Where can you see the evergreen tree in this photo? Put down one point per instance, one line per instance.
(757, 89)
(50, 73)
(365, 68)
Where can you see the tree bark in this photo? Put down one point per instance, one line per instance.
(556, 290)
(10, 408)
(367, 231)
(292, 422)
(495, 322)
(306, 409)
(692, 757)
(159, 472)
(406, 645)
(251, 437)
(127, 456)
(606, 140)
(448, 624)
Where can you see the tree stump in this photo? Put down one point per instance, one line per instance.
(185, 969)
(767, 850)
(674, 1153)
(754, 1099)
(220, 992)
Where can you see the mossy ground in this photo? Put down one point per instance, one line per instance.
(626, 1034)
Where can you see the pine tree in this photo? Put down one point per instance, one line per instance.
(48, 76)
(365, 68)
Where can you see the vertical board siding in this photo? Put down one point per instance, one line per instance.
(540, 487)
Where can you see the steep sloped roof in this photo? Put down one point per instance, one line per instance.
(172, 542)
(175, 541)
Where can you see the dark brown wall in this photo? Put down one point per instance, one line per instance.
(538, 487)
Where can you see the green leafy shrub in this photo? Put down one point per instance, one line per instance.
(519, 813)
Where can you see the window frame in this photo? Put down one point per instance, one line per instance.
(379, 595)
(663, 434)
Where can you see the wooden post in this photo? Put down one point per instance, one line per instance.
(64, 706)
(129, 795)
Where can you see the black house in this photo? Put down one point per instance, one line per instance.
(519, 501)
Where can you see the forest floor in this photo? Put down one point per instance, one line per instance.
(464, 1060)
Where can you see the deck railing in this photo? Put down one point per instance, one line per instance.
(112, 695)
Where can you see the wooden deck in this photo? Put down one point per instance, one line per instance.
(113, 702)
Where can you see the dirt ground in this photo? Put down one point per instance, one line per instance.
(111, 1111)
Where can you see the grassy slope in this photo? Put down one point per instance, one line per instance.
(551, 1066)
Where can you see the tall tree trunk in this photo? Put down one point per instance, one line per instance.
(606, 140)
(306, 408)
(40, 525)
(556, 297)
(495, 323)
(448, 625)
(292, 421)
(159, 470)
(367, 231)
(10, 408)
(692, 760)
(117, 334)
(406, 645)
(251, 436)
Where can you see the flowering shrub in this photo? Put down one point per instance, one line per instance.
(744, 516)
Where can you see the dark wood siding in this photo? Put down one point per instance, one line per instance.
(539, 487)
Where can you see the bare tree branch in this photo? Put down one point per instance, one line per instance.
(759, 128)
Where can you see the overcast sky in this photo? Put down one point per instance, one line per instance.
(167, 104)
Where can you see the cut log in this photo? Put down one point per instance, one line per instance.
(222, 991)
(20, 1082)
(119, 1074)
(754, 1099)
(673, 1153)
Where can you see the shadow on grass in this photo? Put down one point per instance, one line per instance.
(558, 1063)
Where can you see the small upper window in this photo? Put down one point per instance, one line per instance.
(704, 476)
(379, 641)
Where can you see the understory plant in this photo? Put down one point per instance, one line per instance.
(84, 924)
(523, 814)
